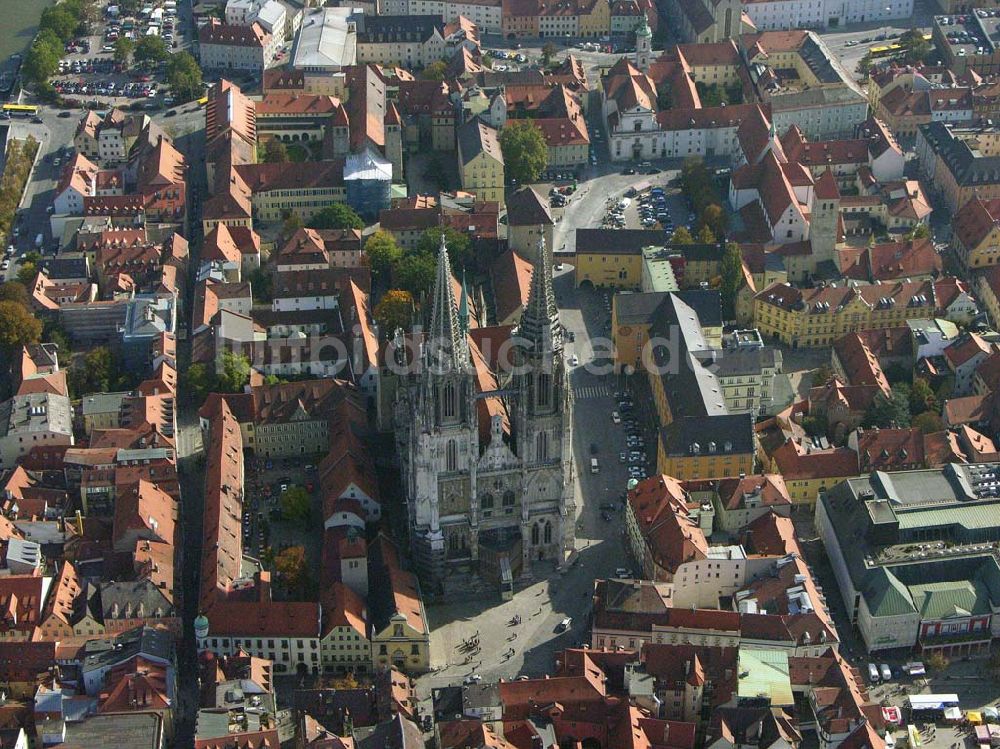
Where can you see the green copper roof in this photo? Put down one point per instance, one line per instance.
(886, 595)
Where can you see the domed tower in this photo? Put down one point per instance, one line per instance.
(643, 45)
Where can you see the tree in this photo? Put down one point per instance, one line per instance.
(26, 274)
(816, 426)
(865, 65)
(42, 60)
(97, 371)
(394, 311)
(262, 284)
(714, 217)
(435, 71)
(235, 372)
(274, 151)
(524, 151)
(296, 504)
(60, 20)
(922, 397)
(459, 246)
(821, 375)
(292, 569)
(151, 49)
(184, 77)
(18, 327)
(336, 216)
(197, 379)
(383, 253)
(14, 291)
(731, 270)
(415, 273)
(920, 231)
(915, 47)
(936, 661)
(124, 48)
(890, 411)
(549, 51)
(291, 224)
(682, 236)
(706, 235)
(927, 422)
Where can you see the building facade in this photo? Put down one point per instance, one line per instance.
(487, 467)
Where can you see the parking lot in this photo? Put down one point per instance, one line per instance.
(90, 76)
(264, 523)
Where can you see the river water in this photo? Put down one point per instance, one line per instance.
(20, 19)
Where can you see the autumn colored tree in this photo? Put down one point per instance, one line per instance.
(18, 327)
(292, 568)
(682, 236)
(395, 310)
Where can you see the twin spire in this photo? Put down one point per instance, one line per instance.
(539, 331)
(540, 326)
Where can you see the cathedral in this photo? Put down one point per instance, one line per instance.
(484, 434)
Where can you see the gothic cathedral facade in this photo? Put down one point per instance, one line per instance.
(486, 455)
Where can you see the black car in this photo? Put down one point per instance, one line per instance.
(628, 170)
(65, 113)
(37, 120)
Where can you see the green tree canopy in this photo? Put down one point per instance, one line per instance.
(383, 253)
(891, 411)
(274, 151)
(731, 271)
(235, 372)
(124, 48)
(415, 273)
(60, 20)
(151, 49)
(549, 51)
(336, 216)
(291, 224)
(459, 246)
(296, 504)
(928, 422)
(197, 379)
(922, 397)
(915, 47)
(97, 371)
(435, 71)
(42, 60)
(524, 151)
(706, 235)
(18, 327)
(184, 77)
(26, 274)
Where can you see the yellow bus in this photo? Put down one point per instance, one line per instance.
(885, 50)
(20, 110)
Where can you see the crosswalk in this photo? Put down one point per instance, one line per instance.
(592, 391)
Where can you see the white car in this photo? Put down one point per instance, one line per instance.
(616, 417)
(472, 679)
(574, 360)
(559, 267)
(565, 624)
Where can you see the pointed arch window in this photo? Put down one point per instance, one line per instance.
(487, 501)
(534, 535)
(542, 445)
(451, 456)
(544, 397)
(508, 498)
(548, 531)
(450, 401)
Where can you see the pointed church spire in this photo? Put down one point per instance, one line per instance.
(463, 307)
(447, 346)
(540, 322)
